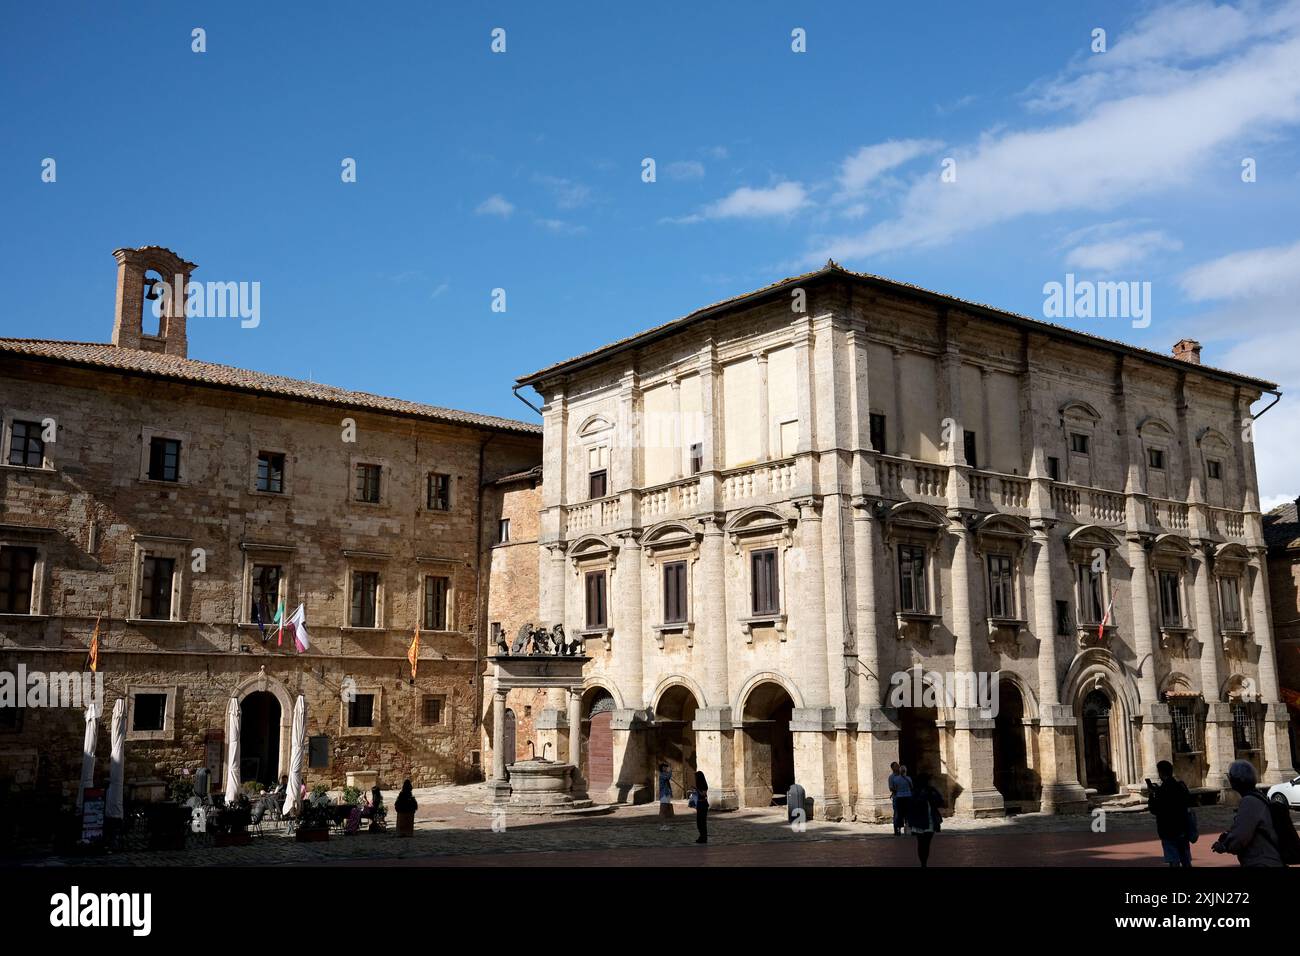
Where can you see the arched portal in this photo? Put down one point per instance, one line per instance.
(259, 738)
(767, 745)
(920, 746)
(1098, 717)
(1011, 773)
(597, 745)
(673, 741)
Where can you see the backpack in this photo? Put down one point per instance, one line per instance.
(1288, 841)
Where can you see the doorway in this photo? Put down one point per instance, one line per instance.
(259, 738)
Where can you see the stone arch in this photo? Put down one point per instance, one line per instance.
(1176, 683)
(1174, 543)
(591, 543)
(1027, 694)
(1096, 669)
(593, 425)
(758, 517)
(1080, 408)
(261, 682)
(592, 684)
(668, 531)
(1092, 534)
(1156, 424)
(1014, 773)
(760, 677)
(764, 739)
(677, 680)
(918, 513)
(1233, 551)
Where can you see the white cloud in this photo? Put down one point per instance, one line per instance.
(1112, 250)
(870, 162)
(560, 227)
(783, 199)
(1250, 274)
(685, 169)
(567, 193)
(1120, 148)
(496, 205)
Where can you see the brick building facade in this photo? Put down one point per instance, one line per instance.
(166, 498)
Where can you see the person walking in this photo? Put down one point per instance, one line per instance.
(1171, 802)
(700, 801)
(406, 805)
(923, 816)
(665, 796)
(1252, 837)
(900, 791)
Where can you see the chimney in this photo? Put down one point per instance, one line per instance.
(1188, 350)
(130, 320)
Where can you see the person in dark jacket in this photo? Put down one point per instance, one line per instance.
(406, 805)
(923, 817)
(702, 806)
(1170, 800)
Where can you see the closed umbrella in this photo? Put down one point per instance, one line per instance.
(232, 751)
(88, 752)
(117, 760)
(297, 754)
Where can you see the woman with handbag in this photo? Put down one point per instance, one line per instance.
(699, 800)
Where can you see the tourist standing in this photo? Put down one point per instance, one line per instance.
(700, 798)
(1253, 838)
(406, 805)
(1171, 802)
(900, 790)
(923, 816)
(665, 796)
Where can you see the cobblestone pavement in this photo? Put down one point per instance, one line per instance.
(446, 834)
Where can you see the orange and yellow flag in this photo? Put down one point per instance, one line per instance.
(92, 658)
(413, 655)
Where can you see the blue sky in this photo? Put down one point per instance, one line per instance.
(522, 171)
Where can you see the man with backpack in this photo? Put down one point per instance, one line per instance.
(1171, 802)
(1260, 835)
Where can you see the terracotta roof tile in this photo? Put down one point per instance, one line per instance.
(1282, 526)
(174, 368)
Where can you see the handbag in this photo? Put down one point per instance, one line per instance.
(693, 801)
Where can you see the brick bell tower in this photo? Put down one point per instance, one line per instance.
(140, 274)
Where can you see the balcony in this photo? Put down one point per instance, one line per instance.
(591, 515)
(1089, 505)
(905, 478)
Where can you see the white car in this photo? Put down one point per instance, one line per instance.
(1286, 793)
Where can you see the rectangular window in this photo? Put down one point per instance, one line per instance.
(361, 711)
(1230, 602)
(697, 458)
(597, 484)
(156, 588)
(26, 447)
(912, 592)
(764, 582)
(164, 459)
(1001, 596)
(503, 531)
(367, 485)
(969, 449)
(435, 602)
(439, 492)
(149, 712)
(266, 592)
(1214, 469)
(365, 593)
(16, 567)
(1054, 468)
(675, 592)
(1079, 443)
(431, 711)
(1092, 603)
(1156, 459)
(270, 472)
(1063, 618)
(1171, 602)
(595, 585)
(876, 429)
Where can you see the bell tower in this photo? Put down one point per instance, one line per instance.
(141, 298)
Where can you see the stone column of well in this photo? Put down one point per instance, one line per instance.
(1157, 741)
(499, 782)
(714, 730)
(1218, 714)
(1277, 747)
(877, 739)
(813, 725)
(973, 731)
(575, 741)
(1057, 750)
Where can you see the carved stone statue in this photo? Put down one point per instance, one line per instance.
(521, 640)
(503, 647)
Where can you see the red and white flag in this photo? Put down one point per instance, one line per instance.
(1106, 619)
(297, 626)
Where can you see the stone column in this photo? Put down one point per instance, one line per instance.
(632, 776)
(1277, 746)
(764, 424)
(973, 732)
(813, 726)
(1057, 751)
(1157, 742)
(877, 737)
(575, 740)
(628, 641)
(499, 782)
(714, 731)
(1218, 715)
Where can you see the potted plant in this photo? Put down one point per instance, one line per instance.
(231, 827)
(316, 816)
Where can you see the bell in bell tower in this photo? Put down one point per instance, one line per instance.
(151, 284)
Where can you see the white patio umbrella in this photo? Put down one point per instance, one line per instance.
(297, 756)
(232, 751)
(88, 752)
(117, 761)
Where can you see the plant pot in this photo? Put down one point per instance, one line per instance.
(405, 824)
(303, 835)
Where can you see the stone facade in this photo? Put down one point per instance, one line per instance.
(775, 518)
(102, 515)
(1282, 531)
